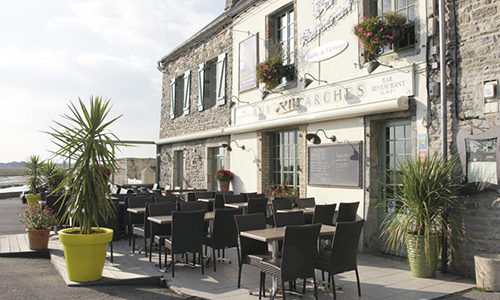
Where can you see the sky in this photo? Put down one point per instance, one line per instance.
(56, 51)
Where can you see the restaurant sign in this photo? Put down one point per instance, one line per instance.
(367, 90)
(326, 51)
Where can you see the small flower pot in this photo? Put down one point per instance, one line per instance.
(224, 186)
(38, 239)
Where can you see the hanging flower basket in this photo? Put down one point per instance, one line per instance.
(270, 71)
(375, 34)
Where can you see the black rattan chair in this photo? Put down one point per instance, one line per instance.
(282, 203)
(187, 236)
(193, 205)
(199, 195)
(282, 219)
(347, 212)
(324, 213)
(159, 233)
(306, 202)
(342, 257)
(228, 198)
(298, 256)
(224, 233)
(166, 198)
(251, 252)
(135, 219)
(257, 205)
(248, 195)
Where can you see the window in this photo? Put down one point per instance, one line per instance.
(212, 83)
(284, 34)
(180, 91)
(216, 156)
(405, 8)
(210, 80)
(178, 176)
(397, 148)
(285, 158)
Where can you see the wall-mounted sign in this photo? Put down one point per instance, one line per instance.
(326, 51)
(248, 63)
(330, 21)
(376, 88)
(319, 6)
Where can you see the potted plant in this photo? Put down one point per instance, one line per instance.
(89, 143)
(374, 34)
(425, 187)
(37, 223)
(281, 191)
(395, 21)
(53, 175)
(224, 177)
(33, 175)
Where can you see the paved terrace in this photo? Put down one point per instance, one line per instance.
(381, 277)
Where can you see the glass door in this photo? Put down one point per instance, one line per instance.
(216, 156)
(397, 146)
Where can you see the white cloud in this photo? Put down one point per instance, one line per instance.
(56, 51)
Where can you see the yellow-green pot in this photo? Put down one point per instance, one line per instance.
(422, 265)
(85, 253)
(32, 199)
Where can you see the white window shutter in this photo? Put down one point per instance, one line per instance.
(201, 86)
(221, 79)
(172, 98)
(187, 91)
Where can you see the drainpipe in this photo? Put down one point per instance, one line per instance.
(444, 116)
(157, 175)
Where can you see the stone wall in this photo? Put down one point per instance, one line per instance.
(195, 161)
(473, 57)
(135, 168)
(215, 117)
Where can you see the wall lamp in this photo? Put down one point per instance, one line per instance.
(314, 138)
(266, 93)
(373, 64)
(307, 81)
(232, 103)
(228, 146)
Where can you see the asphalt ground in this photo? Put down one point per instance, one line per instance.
(9, 216)
(30, 278)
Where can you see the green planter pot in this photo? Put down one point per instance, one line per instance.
(420, 266)
(33, 198)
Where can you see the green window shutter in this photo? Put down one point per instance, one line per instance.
(172, 98)
(187, 91)
(221, 79)
(201, 85)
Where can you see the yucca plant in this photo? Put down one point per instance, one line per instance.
(53, 175)
(87, 141)
(424, 188)
(33, 173)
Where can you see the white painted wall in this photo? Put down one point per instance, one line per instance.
(345, 130)
(244, 163)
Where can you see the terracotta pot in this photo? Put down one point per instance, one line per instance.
(224, 186)
(38, 239)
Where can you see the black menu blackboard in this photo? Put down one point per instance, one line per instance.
(335, 165)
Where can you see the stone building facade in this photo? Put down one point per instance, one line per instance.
(473, 62)
(186, 163)
(137, 169)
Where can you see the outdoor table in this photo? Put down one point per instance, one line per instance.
(273, 235)
(307, 210)
(137, 210)
(168, 219)
(243, 204)
(206, 199)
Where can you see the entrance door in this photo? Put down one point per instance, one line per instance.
(216, 157)
(178, 169)
(397, 145)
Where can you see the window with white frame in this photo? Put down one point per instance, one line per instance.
(284, 34)
(212, 83)
(180, 92)
(405, 8)
(285, 158)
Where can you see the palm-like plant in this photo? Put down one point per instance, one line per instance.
(53, 175)
(425, 188)
(87, 141)
(33, 172)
